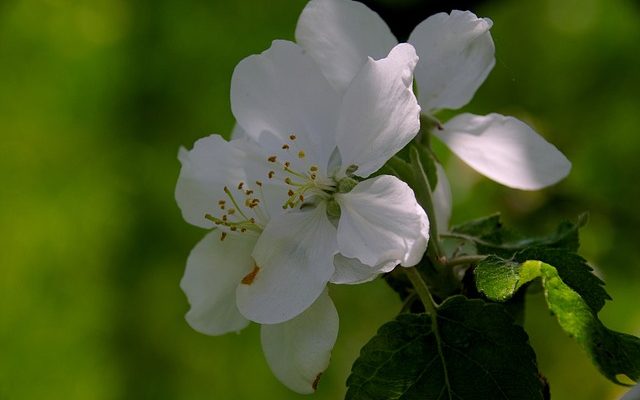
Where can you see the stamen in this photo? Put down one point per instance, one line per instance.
(233, 200)
(223, 235)
(272, 159)
(287, 164)
(301, 154)
(213, 219)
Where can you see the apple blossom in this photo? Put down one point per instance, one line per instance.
(290, 204)
(456, 55)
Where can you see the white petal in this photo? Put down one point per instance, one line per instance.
(212, 164)
(379, 114)
(456, 55)
(298, 351)
(381, 223)
(350, 271)
(295, 259)
(283, 92)
(442, 199)
(505, 149)
(340, 35)
(213, 271)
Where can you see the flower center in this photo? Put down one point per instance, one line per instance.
(243, 216)
(303, 185)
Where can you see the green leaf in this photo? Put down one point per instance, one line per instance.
(469, 350)
(574, 271)
(491, 237)
(479, 228)
(613, 353)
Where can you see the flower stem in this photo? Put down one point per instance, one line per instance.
(422, 289)
(425, 199)
(471, 259)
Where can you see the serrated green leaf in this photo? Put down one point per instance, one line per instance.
(491, 237)
(613, 353)
(574, 271)
(479, 228)
(474, 351)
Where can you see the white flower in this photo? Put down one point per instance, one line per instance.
(290, 204)
(456, 55)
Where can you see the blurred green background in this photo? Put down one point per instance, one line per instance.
(97, 96)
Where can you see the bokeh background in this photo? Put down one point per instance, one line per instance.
(97, 96)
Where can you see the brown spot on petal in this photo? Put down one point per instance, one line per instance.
(314, 385)
(251, 276)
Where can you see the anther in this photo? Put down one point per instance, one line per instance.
(313, 176)
(290, 192)
(301, 154)
(221, 202)
(224, 218)
(313, 168)
(231, 211)
(240, 185)
(287, 164)
(292, 137)
(259, 183)
(233, 228)
(272, 159)
(243, 230)
(252, 220)
(301, 198)
(271, 174)
(223, 235)
(248, 192)
(287, 180)
(285, 147)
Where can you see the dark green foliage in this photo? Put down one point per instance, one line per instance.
(574, 271)
(575, 305)
(491, 237)
(474, 352)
